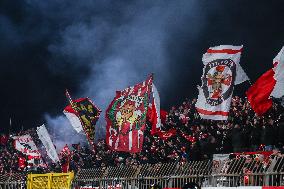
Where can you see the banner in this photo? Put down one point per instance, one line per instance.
(220, 73)
(126, 117)
(50, 180)
(26, 145)
(47, 143)
(83, 115)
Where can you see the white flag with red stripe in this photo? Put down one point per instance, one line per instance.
(220, 73)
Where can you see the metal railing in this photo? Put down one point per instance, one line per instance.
(12, 181)
(176, 174)
(226, 180)
(173, 175)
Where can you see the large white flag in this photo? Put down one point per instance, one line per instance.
(46, 141)
(278, 69)
(220, 73)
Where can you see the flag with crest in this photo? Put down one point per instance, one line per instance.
(126, 117)
(220, 73)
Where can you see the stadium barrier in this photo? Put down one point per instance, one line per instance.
(247, 187)
(12, 181)
(231, 173)
(175, 175)
(178, 181)
(50, 181)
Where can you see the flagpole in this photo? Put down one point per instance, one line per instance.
(69, 98)
(10, 125)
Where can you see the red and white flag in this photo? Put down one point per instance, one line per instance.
(73, 118)
(26, 145)
(126, 117)
(155, 111)
(269, 84)
(220, 73)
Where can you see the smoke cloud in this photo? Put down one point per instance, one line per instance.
(121, 51)
(62, 134)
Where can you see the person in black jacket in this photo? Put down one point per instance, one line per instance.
(237, 139)
(255, 135)
(268, 135)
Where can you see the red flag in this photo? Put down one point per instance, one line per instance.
(258, 94)
(126, 117)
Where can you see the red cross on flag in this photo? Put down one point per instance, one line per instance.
(220, 73)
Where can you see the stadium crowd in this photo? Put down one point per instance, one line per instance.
(194, 139)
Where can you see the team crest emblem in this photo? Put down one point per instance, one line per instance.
(128, 110)
(218, 80)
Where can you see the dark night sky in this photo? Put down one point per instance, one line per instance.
(47, 46)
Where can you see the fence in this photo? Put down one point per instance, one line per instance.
(12, 181)
(179, 181)
(234, 172)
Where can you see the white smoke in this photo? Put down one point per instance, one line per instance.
(120, 54)
(62, 133)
